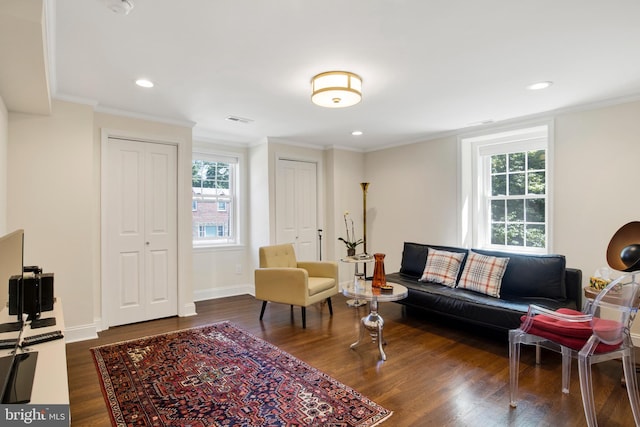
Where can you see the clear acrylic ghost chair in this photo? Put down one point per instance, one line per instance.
(599, 333)
(613, 311)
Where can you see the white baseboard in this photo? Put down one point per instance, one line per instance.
(188, 309)
(80, 333)
(635, 339)
(229, 291)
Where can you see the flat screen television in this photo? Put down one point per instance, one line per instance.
(11, 268)
(17, 368)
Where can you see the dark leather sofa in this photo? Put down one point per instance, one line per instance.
(528, 279)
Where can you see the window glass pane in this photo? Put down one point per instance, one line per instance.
(497, 233)
(516, 162)
(536, 235)
(536, 159)
(497, 210)
(498, 185)
(515, 210)
(213, 199)
(516, 184)
(537, 183)
(515, 234)
(535, 210)
(499, 163)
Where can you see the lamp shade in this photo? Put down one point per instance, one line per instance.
(336, 89)
(623, 252)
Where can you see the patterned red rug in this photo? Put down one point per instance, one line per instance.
(220, 375)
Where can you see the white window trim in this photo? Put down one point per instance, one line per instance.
(205, 151)
(489, 141)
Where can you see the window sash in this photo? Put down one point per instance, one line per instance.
(477, 222)
(207, 200)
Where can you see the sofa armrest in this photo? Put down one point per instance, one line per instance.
(320, 268)
(284, 285)
(573, 284)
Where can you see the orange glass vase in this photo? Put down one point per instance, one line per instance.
(379, 278)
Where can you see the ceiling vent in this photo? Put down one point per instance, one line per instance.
(239, 119)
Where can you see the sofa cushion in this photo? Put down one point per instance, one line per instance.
(442, 267)
(540, 276)
(414, 258)
(483, 273)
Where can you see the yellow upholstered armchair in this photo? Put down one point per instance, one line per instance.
(281, 278)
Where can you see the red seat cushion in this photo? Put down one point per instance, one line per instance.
(575, 334)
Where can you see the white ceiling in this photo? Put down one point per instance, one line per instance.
(428, 66)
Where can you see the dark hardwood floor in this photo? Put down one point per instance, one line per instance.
(438, 372)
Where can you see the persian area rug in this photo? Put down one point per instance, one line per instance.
(220, 375)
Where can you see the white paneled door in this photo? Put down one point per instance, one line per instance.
(141, 231)
(296, 207)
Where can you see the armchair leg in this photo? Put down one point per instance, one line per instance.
(264, 305)
(304, 317)
(329, 304)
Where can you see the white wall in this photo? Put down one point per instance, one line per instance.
(597, 155)
(412, 197)
(259, 212)
(54, 194)
(51, 195)
(345, 172)
(413, 192)
(225, 271)
(4, 141)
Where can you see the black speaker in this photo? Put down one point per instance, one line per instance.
(31, 296)
(46, 292)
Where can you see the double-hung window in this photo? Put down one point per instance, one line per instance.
(214, 184)
(506, 191)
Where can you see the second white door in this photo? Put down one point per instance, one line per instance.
(296, 207)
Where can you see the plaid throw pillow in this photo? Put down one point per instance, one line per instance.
(483, 274)
(442, 267)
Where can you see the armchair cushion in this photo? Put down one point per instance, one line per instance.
(319, 284)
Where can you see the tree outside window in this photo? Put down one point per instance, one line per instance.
(517, 200)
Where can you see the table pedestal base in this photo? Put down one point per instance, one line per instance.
(356, 302)
(373, 323)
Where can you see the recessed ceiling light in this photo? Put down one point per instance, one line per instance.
(539, 85)
(356, 133)
(144, 83)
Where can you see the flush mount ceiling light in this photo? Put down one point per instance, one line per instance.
(336, 89)
(539, 85)
(122, 7)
